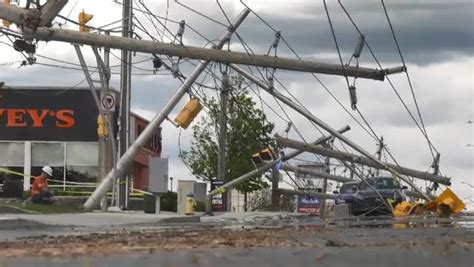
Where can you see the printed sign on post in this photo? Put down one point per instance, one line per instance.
(108, 102)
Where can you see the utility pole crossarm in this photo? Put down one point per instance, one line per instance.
(18, 16)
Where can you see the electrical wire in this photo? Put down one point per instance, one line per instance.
(407, 74)
(388, 79)
(201, 14)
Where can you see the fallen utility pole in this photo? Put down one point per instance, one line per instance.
(31, 30)
(324, 125)
(316, 174)
(125, 161)
(344, 156)
(306, 193)
(230, 185)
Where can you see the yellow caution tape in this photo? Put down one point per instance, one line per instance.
(15, 173)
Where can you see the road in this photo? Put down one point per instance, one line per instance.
(249, 240)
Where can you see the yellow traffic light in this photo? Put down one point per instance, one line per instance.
(7, 23)
(101, 127)
(83, 19)
(189, 112)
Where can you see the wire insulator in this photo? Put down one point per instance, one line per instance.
(175, 69)
(359, 47)
(276, 40)
(182, 25)
(270, 83)
(353, 95)
(288, 127)
(157, 63)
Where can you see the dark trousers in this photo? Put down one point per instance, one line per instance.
(44, 197)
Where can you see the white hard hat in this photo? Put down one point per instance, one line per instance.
(47, 170)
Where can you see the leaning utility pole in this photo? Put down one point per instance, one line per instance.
(32, 29)
(222, 155)
(125, 89)
(261, 169)
(126, 160)
(361, 160)
(325, 126)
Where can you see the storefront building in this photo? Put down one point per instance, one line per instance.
(58, 127)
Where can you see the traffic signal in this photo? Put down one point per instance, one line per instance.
(188, 113)
(83, 19)
(264, 156)
(7, 23)
(101, 127)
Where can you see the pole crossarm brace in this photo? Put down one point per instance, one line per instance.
(124, 162)
(50, 10)
(232, 184)
(344, 156)
(316, 174)
(306, 193)
(30, 30)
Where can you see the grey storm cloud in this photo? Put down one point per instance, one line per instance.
(428, 31)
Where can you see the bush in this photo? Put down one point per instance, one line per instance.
(200, 206)
(169, 202)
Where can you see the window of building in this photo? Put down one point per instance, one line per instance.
(50, 154)
(12, 157)
(13, 154)
(81, 162)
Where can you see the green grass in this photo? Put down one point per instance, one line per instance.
(37, 208)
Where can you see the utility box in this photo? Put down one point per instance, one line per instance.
(158, 176)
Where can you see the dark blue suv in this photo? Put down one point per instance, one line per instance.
(346, 192)
(366, 201)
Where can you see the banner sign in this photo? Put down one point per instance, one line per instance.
(48, 115)
(217, 201)
(308, 204)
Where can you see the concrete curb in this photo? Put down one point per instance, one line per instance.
(18, 224)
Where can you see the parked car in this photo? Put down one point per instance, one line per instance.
(367, 200)
(345, 195)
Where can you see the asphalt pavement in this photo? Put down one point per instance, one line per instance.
(247, 239)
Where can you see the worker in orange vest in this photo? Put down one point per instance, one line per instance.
(39, 189)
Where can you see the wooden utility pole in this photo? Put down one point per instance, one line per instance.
(33, 30)
(275, 192)
(267, 166)
(314, 173)
(222, 155)
(326, 127)
(125, 89)
(126, 160)
(349, 157)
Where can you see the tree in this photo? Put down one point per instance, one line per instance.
(248, 132)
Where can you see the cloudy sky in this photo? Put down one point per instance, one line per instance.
(436, 38)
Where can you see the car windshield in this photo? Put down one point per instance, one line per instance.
(381, 183)
(348, 188)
